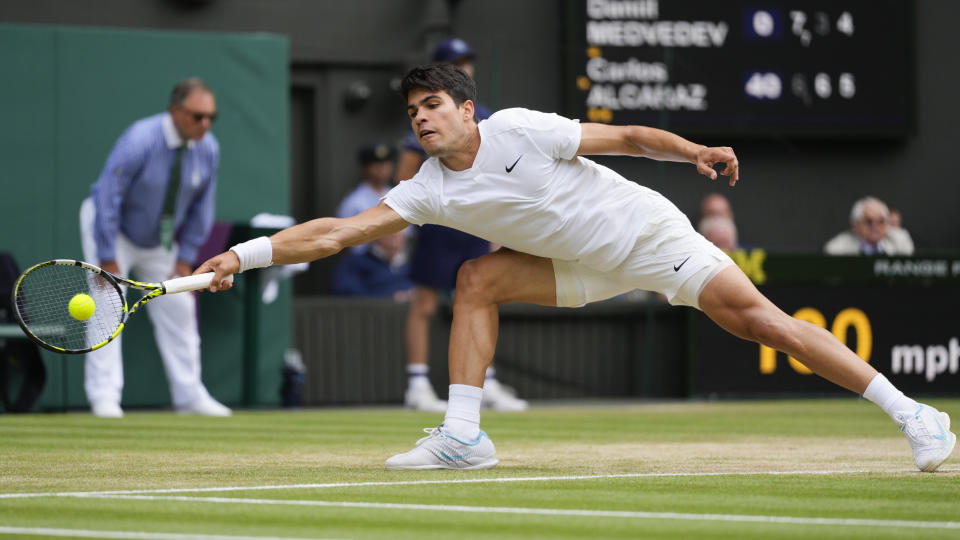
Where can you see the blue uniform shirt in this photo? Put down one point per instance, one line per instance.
(358, 200)
(362, 197)
(130, 193)
(366, 274)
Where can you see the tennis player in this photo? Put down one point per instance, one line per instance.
(573, 232)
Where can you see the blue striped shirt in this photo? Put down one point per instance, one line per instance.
(130, 193)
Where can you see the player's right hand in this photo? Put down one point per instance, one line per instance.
(223, 265)
(708, 157)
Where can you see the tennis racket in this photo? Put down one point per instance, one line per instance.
(41, 297)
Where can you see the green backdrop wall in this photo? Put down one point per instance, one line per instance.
(68, 93)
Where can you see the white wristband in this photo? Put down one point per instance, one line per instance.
(256, 253)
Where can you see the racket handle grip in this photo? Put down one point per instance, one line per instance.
(191, 283)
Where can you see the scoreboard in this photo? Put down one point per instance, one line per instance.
(756, 68)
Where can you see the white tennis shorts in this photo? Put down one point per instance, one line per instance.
(672, 258)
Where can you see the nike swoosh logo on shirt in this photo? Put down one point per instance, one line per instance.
(510, 168)
(676, 268)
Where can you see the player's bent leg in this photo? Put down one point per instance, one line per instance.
(482, 285)
(733, 302)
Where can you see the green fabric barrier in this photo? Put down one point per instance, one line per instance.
(68, 94)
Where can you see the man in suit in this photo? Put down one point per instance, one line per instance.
(870, 233)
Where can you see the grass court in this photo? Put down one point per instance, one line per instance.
(828, 469)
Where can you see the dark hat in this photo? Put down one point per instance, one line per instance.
(374, 152)
(451, 50)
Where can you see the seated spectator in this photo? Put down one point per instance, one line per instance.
(870, 233)
(896, 219)
(380, 271)
(717, 226)
(376, 175)
(379, 268)
(715, 204)
(721, 231)
(895, 225)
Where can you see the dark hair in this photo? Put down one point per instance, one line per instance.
(185, 87)
(439, 77)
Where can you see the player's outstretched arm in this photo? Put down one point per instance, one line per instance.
(312, 240)
(324, 237)
(603, 139)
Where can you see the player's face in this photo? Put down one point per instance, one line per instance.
(195, 115)
(440, 125)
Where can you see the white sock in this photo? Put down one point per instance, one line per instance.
(418, 375)
(886, 395)
(463, 412)
(491, 373)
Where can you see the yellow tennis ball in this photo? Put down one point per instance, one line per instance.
(82, 307)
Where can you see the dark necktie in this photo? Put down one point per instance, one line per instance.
(170, 201)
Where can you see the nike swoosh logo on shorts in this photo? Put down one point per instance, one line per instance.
(676, 268)
(510, 168)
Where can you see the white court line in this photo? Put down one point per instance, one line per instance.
(455, 481)
(681, 516)
(82, 533)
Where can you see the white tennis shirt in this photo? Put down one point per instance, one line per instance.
(529, 191)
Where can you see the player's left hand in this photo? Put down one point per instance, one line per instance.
(222, 266)
(707, 157)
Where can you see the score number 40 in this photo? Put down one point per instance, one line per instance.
(768, 86)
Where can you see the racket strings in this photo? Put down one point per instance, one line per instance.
(43, 299)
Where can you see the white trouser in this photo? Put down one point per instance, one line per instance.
(174, 323)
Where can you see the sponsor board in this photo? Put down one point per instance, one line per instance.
(909, 332)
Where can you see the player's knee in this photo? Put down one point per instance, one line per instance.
(473, 281)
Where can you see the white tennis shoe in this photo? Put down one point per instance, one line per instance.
(106, 409)
(928, 431)
(499, 397)
(439, 450)
(421, 397)
(205, 406)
